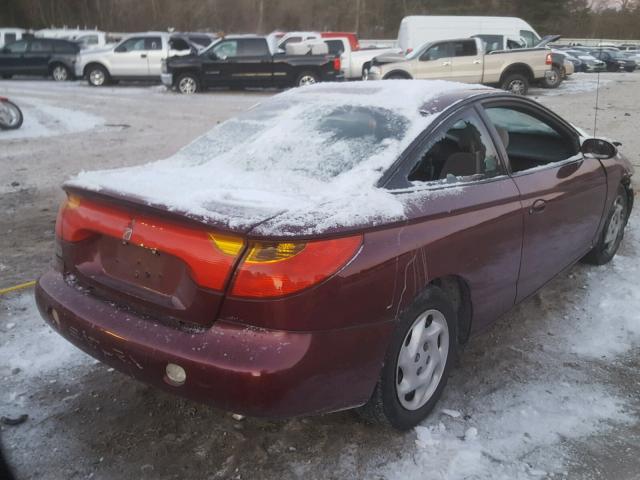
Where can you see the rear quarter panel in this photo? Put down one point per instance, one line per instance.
(497, 63)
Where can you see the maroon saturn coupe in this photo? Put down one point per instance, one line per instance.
(331, 247)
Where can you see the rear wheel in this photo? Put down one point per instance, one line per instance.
(306, 78)
(613, 232)
(97, 76)
(60, 73)
(554, 79)
(515, 83)
(417, 363)
(188, 84)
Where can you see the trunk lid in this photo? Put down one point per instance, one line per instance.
(160, 263)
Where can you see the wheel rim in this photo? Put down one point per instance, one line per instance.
(8, 115)
(615, 227)
(422, 359)
(553, 77)
(517, 87)
(306, 80)
(60, 73)
(97, 77)
(187, 85)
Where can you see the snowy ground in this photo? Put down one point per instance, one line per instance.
(551, 391)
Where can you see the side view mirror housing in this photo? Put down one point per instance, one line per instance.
(598, 148)
(213, 56)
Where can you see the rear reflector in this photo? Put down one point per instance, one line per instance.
(210, 256)
(337, 64)
(549, 59)
(278, 269)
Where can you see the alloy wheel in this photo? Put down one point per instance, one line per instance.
(422, 359)
(60, 73)
(517, 87)
(9, 116)
(306, 80)
(97, 77)
(187, 85)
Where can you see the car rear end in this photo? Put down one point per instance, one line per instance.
(260, 327)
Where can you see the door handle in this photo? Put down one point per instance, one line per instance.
(477, 62)
(143, 55)
(446, 64)
(538, 206)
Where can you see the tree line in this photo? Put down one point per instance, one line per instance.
(370, 18)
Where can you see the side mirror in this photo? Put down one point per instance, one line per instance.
(598, 148)
(213, 56)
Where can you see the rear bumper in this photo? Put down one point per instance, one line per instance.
(167, 79)
(243, 369)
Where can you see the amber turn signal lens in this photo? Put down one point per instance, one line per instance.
(273, 252)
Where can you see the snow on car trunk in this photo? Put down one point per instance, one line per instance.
(308, 159)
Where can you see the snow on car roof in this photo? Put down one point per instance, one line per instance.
(304, 161)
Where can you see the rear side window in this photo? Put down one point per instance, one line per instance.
(41, 46)
(65, 47)
(335, 47)
(252, 47)
(153, 43)
(18, 47)
(464, 48)
(462, 152)
(492, 42)
(9, 37)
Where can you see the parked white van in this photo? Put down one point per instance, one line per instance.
(417, 30)
(10, 35)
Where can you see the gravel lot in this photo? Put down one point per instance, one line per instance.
(551, 391)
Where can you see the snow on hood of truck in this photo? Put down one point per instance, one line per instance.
(303, 162)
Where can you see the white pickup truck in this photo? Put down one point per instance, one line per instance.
(137, 57)
(354, 63)
(464, 60)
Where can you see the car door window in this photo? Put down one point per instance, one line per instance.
(9, 37)
(65, 47)
(462, 152)
(529, 37)
(435, 52)
(531, 140)
(153, 43)
(18, 47)
(491, 42)
(252, 47)
(131, 45)
(40, 46)
(464, 48)
(228, 48)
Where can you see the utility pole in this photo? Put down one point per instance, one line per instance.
(260, 16)
(357, 27)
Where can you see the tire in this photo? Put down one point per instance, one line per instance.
(98, 76)
(554, 80)
(515, 83)
(11, 117)
(59, 72)
(188, 84)
(392, 402)
(307, 78)
(613, 231)
(396, 76)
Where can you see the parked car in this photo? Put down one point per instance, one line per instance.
(39, 56)
(417, 30)
(247, 61)
(589, 62)
(354, 64)
(10, 35)
(614, 60)
(296, 37)
(464, 60)
(332, 247)
(137, 57)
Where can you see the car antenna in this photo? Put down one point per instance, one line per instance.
(595, 116)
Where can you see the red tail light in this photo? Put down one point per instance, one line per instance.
(337, 64)
(277, 269)
(210, 256)
(549, 60)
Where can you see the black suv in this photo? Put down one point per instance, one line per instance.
(39, 56)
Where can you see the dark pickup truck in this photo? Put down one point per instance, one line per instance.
(246, 61)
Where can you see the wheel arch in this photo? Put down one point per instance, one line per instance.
(458, 291)
(520, 68)
(94, 63)
(400, 72)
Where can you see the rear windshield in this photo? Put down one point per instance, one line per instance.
(313, 139)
